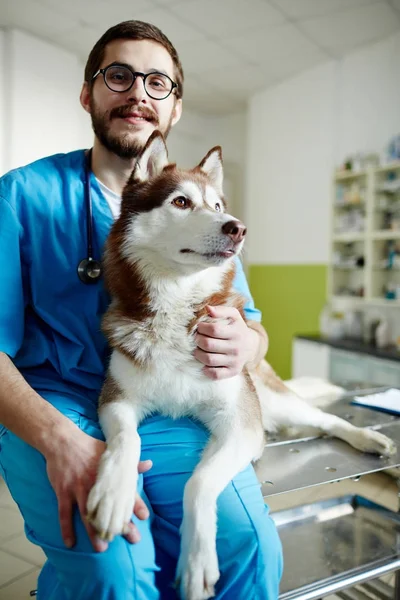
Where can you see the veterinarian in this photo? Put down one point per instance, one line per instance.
(53, 357)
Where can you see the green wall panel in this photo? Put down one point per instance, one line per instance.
(291, 298)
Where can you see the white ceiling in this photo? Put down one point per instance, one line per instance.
(229, 48)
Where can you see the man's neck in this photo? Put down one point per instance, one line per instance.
(110, 169)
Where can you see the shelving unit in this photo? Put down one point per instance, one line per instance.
(385, 235)
(361, 204)
(348, 237)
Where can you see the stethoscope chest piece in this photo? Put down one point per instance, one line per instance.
(89, 270)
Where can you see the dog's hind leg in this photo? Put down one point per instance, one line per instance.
(284, 409)
(225, 455)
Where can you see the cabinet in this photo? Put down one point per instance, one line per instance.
(348, 367)
(310, 359)
(384, 372)
(365, 238)
(342, 367)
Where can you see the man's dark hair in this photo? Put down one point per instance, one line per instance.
(133, 30)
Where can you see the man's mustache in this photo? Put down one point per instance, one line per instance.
(121, 112)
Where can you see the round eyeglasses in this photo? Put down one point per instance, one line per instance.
(119, 78)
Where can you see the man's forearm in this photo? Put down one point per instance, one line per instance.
(260, 344)
(27, 414)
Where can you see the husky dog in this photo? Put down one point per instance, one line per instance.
(169, 256)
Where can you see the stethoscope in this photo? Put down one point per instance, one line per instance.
(89, 269)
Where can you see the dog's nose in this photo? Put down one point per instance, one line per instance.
(235, 229)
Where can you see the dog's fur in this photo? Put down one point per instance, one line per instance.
(167, 259)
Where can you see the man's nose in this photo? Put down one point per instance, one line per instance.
(235, 230)
(137, 93)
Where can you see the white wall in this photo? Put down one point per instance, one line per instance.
(43, 111)
(189, 140)
(298, 132)
(369, 101)
(289, 164)
(196, 134)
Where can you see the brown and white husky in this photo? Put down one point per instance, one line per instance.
(170, 254)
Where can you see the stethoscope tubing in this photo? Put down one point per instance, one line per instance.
(89, 269)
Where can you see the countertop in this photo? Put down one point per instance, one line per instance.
(390, 353)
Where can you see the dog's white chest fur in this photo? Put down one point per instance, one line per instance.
(164, 373)
(164, 339)
(171, 390)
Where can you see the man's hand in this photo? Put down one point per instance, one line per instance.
(71, 467)
(224, 348)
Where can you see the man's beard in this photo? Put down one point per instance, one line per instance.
(122, 145)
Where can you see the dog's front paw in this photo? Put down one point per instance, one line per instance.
(111, 500)
(369, 440)
(197, 571)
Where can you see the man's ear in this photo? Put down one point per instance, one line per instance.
(85, 96)
(212, 166)
(152, 160)
(177, 112)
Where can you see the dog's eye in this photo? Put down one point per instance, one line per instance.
(218, 207)
(181, 202)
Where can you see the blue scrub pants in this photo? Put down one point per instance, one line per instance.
(248, 546)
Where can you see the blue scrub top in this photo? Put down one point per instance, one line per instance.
(50, 320)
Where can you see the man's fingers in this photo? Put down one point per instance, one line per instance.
(131, 533)
(65, 509)
(218, 373)
(144, 466)
(140, 509)
(223, 312)
(211, 360)
(219, 331)
(98, 544)
(209, 344)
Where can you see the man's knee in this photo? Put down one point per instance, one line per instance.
(249, 549)
(270, 560)
(252, 539)
(251, 560)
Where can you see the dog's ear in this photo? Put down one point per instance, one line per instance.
(152, 160)
(212, 166)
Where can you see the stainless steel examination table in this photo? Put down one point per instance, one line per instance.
(340, 546)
